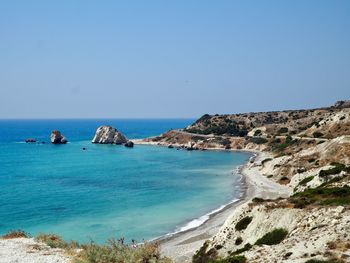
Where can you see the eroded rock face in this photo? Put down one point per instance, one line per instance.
(58, 138)
(109, 135)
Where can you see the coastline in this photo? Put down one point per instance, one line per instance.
(180, 246)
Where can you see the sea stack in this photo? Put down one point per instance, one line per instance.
(109, 135)
(58, 138)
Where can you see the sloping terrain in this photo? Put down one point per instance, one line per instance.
(309, 152)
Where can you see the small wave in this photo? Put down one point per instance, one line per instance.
(201, 220)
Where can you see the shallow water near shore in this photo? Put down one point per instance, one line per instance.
(108, 191)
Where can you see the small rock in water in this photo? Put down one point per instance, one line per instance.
(129, 144)
(84, 148)
(57, 138)
(29, 140)
(170, 146)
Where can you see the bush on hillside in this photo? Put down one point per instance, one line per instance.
(243, 249)
(317, 134)
(338, 168)
(322, 196)
(274, 237)
(306, 180)
(258, 140)
(266, 160)
(233, 259)
(333, 260)
(204, 256)
(243, 223)
(283, 130)
(257, 133)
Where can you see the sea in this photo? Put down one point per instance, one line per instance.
(109, 191)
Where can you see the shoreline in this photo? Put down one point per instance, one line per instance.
(180, 246)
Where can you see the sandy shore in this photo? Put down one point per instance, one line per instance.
(181, 247)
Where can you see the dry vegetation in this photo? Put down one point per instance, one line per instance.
(113, 251)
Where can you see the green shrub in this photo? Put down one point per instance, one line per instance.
(324, 261)
(306, 180)
(243, 249)
(258, 140)
(257, 133)
(243, 223)
(258, 200)
(333, 180)
(266, 160)
(317, 134)
(274, 237)
(204, 256)
(338, 167)
(283, 130)
(233, 259)
(282, 146)
(229, 127)
(238, 241)
(322, 196)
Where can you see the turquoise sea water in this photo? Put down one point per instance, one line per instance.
(108, 190)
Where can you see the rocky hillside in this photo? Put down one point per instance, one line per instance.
(313, 223)
(309, 152)
(283, 133)
(321, 123)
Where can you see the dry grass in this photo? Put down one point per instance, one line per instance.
(111, 252)
(114, 252)
(15, 234)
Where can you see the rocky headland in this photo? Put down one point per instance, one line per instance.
(305, 151)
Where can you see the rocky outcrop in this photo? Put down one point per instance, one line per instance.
(109, 135)
(342, 104)
(58, 138)
(129, 144)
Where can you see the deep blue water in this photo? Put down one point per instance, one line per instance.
(108, 190)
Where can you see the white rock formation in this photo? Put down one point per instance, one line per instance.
(309, 232)
(109, 135)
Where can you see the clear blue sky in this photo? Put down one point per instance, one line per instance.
(180, 58)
